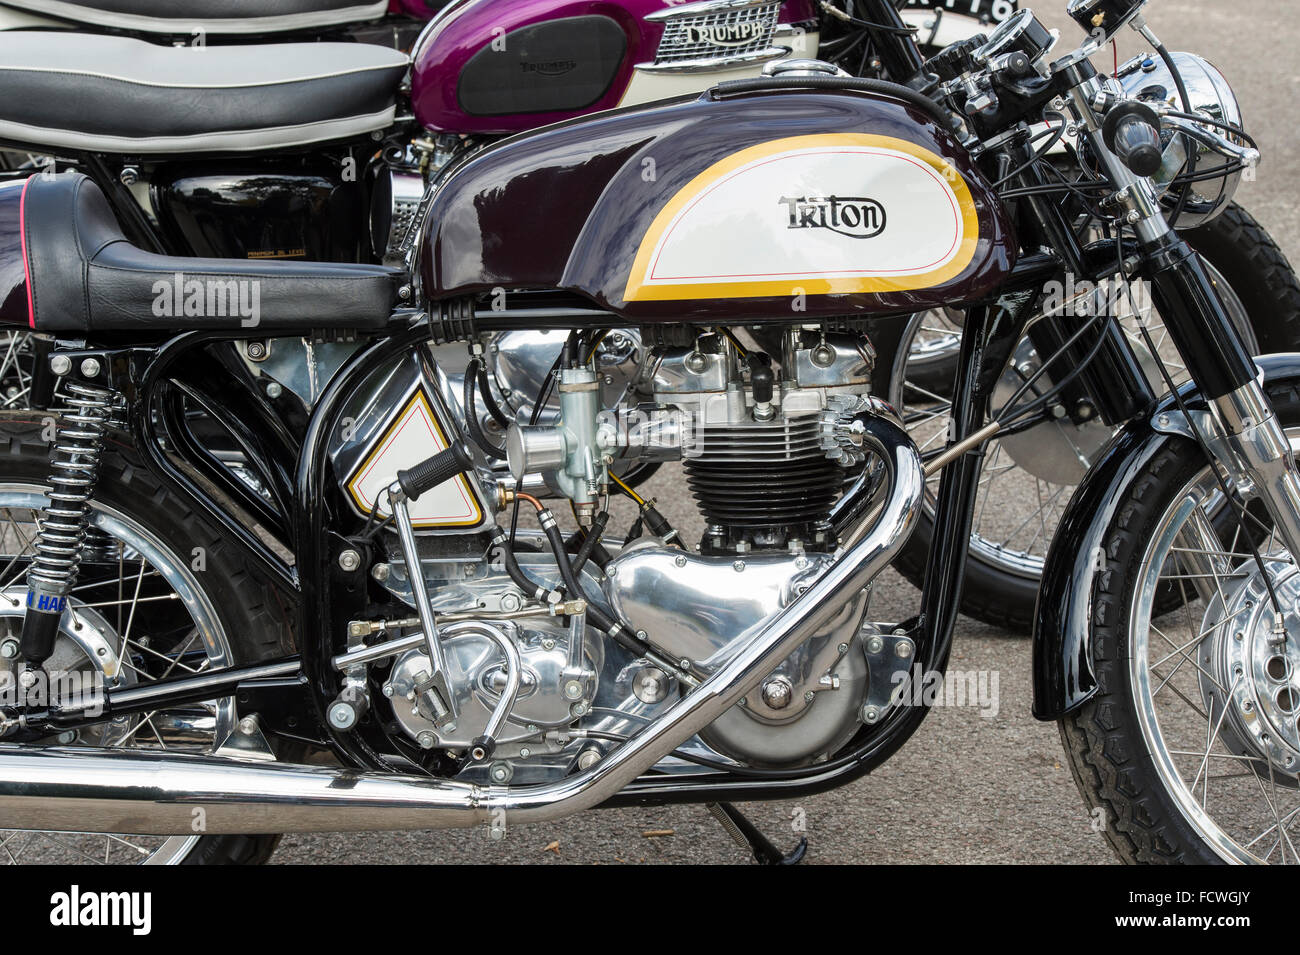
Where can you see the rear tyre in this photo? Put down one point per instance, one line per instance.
(148, 545)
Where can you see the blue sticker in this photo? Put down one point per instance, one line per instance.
(45, 603)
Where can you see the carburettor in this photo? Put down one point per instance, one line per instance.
(765, 443)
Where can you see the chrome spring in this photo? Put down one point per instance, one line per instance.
(74, 470)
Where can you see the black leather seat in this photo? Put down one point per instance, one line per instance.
(213, 16)
(86, 277)
(120, 95)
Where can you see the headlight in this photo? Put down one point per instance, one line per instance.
(1150, 80)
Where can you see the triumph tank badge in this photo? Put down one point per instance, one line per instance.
(725, 34)
(854, 216)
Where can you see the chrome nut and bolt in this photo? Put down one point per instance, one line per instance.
(777, 693)
(342, 715)
(349, 561)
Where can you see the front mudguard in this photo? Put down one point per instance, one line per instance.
(1064, 676)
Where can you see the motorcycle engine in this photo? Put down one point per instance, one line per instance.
(767, 445)
(766, 451)
(762, 448)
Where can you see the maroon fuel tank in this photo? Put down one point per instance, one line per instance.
(737, 208)
(15, 302)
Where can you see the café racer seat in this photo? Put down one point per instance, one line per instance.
(213, 16)
(121, 95)
(84, 276)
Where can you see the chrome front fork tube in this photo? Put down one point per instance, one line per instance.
(1262, 461)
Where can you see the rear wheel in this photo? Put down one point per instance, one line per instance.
(1028, 480)
(159, 594)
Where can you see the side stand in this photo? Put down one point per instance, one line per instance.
(747, 835)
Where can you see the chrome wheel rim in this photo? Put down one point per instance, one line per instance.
(151, 584)
(936, 340)
(1241, 799)
(1016, 512)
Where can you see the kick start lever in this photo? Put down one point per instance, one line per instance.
(410, 485)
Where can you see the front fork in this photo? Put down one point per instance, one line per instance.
(1247, 439)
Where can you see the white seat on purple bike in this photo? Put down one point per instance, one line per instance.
(217, 17)
(114, 94)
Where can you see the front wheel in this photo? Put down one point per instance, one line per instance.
(1190, 747)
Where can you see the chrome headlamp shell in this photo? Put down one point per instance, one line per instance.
(1148, 79)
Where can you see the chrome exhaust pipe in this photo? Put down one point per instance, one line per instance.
(158, 793)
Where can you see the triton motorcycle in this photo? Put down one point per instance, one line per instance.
(400, 638)
(299, 202)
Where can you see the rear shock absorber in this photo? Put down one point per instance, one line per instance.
(61, 535)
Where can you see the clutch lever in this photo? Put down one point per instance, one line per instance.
(1215, 140)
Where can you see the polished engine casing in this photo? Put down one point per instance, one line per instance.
(487, 67)
(701, 609)
(735, 209)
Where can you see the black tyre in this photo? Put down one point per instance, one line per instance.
(1002, 579)
(1169, 681)
(238, 619)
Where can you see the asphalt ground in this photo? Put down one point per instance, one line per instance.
(970, 786)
